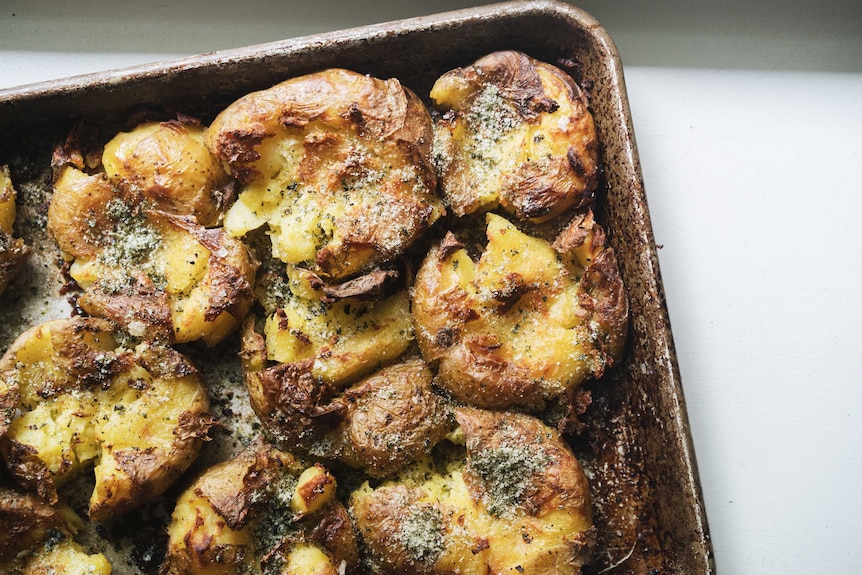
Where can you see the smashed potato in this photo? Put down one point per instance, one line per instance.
(344, 333)
(13, 252)
(137, 416)
(37, 539)
(336, 163)
(168, 163)
(261, 512)
(527, 321)
(516, 133)
(380, 424)
(519, 503)
(158, 275)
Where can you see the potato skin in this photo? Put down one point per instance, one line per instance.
(237, 517)
(519, 502)
(392, 418)
(170, 165)
(517, 133)
(337, 163)
(480, 321)
(27, 521)
(141, 413)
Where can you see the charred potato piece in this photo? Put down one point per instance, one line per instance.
(136, 415)
(336, 163)
(519, 503)
(13, 252)
(27, 521)
(527, 321)
(37, 539)
(516, 133)
(156, 274)
(168, 163)
(343, 337)
(261, 512)
(379, 425)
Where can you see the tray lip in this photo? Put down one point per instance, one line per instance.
(104, 80)
(161, 68)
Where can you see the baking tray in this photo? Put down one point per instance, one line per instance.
(637, 449)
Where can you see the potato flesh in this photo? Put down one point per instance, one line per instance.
(548, 312)
(67, 558)
(346, 339)
(7, 202)
(177, 259)
(110, 251)
(311, 210)
(73, 427)
(197, 526)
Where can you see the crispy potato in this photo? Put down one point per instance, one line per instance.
(37, 538)
(137, 416)
(344, 334)
(158, 275)
(336, 163)
(516, 133)
(27, 521)
(525, 323)
(379, 425)
(261, 512)
(172, 168)
(518, 504)
(65, 558)
(13, 252)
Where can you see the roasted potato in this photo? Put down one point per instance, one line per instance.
(344, 334)
(379, 425)
(526, 322)
(336, 163)
(137, 415)
(518, 503)
(517, 133)
(158, 275)
(13, 252)
(261, 512)
(168, 163)
(37, 539)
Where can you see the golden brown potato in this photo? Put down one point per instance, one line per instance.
(527, 321)
(65, 557)
(516, 133)
(379, 425)
(136, 415)
(519, 503)
(37, 538)
(172, 168)
(13, 252)
(156, 274)
(344, 333)
(261, 512)
(336, 163)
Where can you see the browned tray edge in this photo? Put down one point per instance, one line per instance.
(38, 95)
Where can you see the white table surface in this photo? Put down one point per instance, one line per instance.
(748, 118)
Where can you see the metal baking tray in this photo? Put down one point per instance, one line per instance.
(637, 449)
